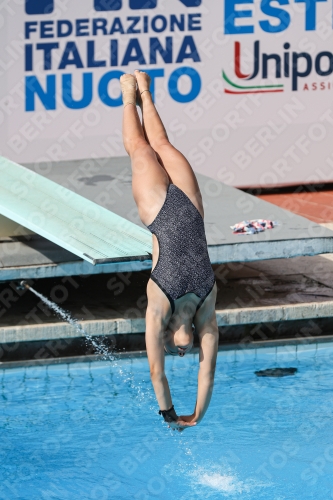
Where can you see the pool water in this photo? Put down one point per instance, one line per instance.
(92, 430)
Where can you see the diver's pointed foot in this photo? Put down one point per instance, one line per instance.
(128, 89)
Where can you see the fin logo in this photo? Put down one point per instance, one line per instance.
(33, 7)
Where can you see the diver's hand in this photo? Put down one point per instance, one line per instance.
(183, 422)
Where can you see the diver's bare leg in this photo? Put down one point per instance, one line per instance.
(174, 162)
(149, 180)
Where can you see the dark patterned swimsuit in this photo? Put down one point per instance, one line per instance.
(183, 265)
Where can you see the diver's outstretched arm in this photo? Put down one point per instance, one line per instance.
(209, 338)
(155, 351)
(207, 329)
(157, 317)
(208, 352)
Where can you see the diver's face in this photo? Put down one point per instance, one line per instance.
(179, 345)
(178, 350)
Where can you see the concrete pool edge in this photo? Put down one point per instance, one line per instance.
(116, 326)
(143, 354)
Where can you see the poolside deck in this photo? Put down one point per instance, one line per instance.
(108, 183)
(256, 301)
(307, 201)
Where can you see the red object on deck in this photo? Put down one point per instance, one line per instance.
(316, 206)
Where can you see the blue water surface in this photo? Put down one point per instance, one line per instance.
(91, 430)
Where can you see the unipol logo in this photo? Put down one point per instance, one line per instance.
(290, 64)
(33, 7)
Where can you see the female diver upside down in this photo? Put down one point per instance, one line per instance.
(182, 288)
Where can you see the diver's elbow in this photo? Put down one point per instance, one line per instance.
(157, 374)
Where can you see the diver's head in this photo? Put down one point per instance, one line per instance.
(180, 342)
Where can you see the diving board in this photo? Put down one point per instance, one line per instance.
(76, 224)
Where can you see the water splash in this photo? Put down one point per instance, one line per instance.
(224, 483)
(212, 480)
(66, 316)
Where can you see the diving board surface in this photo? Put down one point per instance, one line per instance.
(65, 218)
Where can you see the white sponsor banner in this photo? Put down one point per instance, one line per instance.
(244, 87)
